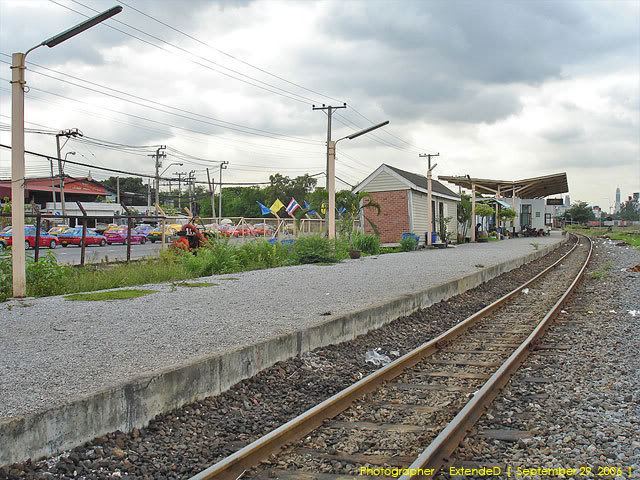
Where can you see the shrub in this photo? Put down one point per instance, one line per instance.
(408, 244)
(314, 249)
(369, 244)
(341, 248)
(45, 275)
(259, 254)
(216, 257)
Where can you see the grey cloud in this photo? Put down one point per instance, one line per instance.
(565, 134)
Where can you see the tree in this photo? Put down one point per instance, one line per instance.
(630, 210)
(579, 212)
(464, 213)
(484, 210)
(127, 184)
(507, 214)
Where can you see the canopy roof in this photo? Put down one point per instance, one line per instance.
(536, 187)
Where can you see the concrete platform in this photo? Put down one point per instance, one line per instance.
(70, 371)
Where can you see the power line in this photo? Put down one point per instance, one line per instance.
(302, 99)
(228, 54)
(216, 122)
(195, 39)
(279, 149)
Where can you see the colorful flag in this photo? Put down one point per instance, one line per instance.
(308, 208)
(341, 210)
(292, 207)
(276, 207)
(323, 208)
(264, 210)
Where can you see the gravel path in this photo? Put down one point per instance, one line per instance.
(185, 441)
(51, 348)
(585, 408)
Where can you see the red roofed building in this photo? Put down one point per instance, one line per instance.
(39, 190)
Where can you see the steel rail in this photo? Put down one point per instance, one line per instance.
(233, 466)
(438, 452)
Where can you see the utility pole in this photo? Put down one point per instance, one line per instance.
(331, 171)
(180, 175)
(118, 190)
(72, 132)
(192, 177)
(223, 166)
(430, 221)
(212, 191)
(157, 157)
(148, 196)
(53, 191)
(18, 84)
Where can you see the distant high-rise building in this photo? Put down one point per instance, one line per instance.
(567, 201)
(617, 210)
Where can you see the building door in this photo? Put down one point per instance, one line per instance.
(525, 216)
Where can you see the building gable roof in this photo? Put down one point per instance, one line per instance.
(413, 181)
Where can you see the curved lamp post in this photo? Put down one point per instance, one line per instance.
(17, 144)
(331, 176)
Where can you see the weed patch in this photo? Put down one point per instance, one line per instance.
(110, 295)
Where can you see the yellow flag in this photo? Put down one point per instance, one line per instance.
(276, 207)
(323, 208)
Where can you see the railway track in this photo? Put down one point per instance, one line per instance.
(429, 397)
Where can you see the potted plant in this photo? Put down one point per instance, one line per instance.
(354, 253)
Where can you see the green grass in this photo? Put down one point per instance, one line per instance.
(630, 235)
(602, 271)
(109, 295)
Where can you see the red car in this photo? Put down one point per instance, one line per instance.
(120, 236)
(73, 236)
(242, 231)
(46, 240)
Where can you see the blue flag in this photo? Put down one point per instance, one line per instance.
(341, 211)
(264, 209)
(308, 208)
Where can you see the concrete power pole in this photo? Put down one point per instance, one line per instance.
(157, 157)
(72, 132)
(190, 184)
(180, 175)
(118, 190)
(223, 166)
(331, 171)
(429, 194)
(212, 191)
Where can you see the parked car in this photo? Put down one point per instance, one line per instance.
(262, 229)
(155, 235)
(73, 236)
(46, 240)
(120, 236)
(58, 229)
(245, 230)
(143, 229)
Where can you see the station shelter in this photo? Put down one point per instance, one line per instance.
(529, 197)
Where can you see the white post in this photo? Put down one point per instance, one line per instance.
(331, 189)
(497, 197)
(473, 212)
(429, 210)
(17, 175)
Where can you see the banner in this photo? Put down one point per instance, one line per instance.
(276, 207)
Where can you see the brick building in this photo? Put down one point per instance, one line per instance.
(402, 197)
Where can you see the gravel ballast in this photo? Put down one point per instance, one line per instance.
(185, 441)
(52, 349)
(584, 408)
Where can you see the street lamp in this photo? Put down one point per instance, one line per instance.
(331, 176)
(163, 172)
(17, 144)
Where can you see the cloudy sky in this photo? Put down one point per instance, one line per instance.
(500, 89)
